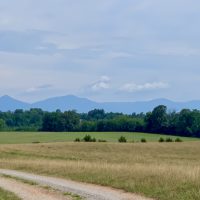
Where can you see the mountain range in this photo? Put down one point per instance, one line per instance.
(71, 102)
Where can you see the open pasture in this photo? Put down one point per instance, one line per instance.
(46, 137)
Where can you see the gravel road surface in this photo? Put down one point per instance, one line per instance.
(28, 192)
(88, 191)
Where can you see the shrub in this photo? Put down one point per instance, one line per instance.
(102, 140)
(161, 140)
(178, 140)
(122, 139)
(169, 140)
(77, 140)
(143, 140)
(88, 138)
(36, 142)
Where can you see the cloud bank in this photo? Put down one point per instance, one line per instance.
(147, 48)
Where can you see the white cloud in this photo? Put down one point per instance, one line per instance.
(177, 49)
(105, 78)
(132, 87)
(102, 84)
(113, 55)
(38, 88)
(64, 42)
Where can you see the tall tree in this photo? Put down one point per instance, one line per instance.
(157, 120)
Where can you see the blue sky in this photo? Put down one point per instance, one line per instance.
(105, 50)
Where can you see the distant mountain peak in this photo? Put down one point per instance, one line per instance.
(6, 97)
(9, 98)
(162, 99)
(8, 103)
(72, 102)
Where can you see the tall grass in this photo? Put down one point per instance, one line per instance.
(164, 171)
(5, 195)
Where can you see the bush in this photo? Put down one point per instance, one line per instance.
(88, 138)
(93, 140)
(102, 140)
(77, 140)
(169, 140)
(178, 140)
(143, 140)
(161, 140)
(36, 142)
(122, 139)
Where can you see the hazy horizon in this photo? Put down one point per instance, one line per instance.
(106, 51)
(82, 97)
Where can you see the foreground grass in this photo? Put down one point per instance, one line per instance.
(28, 137)
(167, 171)
(4, 195)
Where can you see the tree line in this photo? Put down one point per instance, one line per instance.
(160, 120)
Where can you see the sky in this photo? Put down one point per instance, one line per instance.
(104, 50)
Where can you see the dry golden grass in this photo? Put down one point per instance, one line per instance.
(162, 171)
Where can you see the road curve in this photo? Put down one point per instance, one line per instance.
(88, 191)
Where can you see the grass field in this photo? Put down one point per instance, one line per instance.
(164, 171)
(4, 195)
(28, 137)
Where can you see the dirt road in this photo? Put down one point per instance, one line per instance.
(28, 192)
(88, 191)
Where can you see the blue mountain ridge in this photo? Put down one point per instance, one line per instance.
(71, 102)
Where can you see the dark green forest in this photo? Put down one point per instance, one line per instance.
(160, 120)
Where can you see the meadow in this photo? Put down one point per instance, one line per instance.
(163, 171)
(46, 137)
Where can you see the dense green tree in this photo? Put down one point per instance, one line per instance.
(58, 121)
(157, 120)
(183, 123)
(2, 124)
(53, 122)
(71, 120)
(96, 114)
